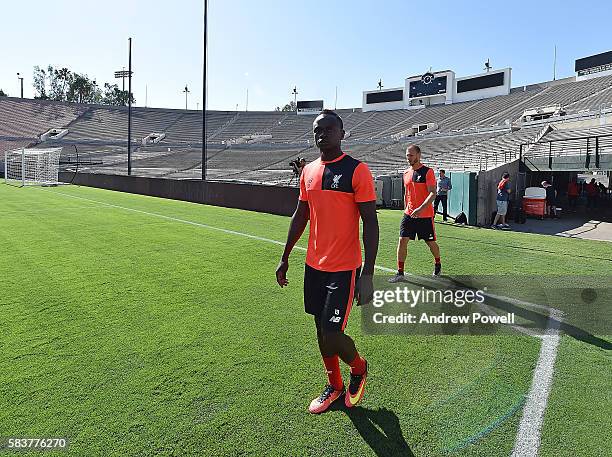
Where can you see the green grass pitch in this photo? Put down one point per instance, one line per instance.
(136, 334)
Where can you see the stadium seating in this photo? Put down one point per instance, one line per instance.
(469, 135)
(31, 118)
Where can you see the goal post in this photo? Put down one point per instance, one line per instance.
(32, 167)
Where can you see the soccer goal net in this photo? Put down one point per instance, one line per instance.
(32, 167)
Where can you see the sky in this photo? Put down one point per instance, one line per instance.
(267, 47)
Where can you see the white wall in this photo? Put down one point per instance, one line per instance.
(483, 93)
(594, 75)
(451, 95)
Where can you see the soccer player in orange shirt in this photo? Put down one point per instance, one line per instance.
(335, 191)
(418, 219)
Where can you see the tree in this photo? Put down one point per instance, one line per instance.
(59, 81)
(83, 90)
(3, 94)
(52, 84)
(40, 83)
(64, 85)
(291, 106)
(115, 96)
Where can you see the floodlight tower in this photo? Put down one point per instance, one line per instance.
(123, 74)
(380, 84)
(295, 94)
(186, 91)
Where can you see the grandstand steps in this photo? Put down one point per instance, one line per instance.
(174, 123)
(268, 131)
(292, 128)
(513, 108)
(465, 157)
(349, 120)
(356, 126)
(601, 97)
(223, 127)
(393, 128)
(279, 162)
(468, 108)
(547, 128)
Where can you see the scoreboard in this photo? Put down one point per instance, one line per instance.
(428, 85)
(385, 96)
(439, 88)
(480, 82)
(309, 106)
(594, 64)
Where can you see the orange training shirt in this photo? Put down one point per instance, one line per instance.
(415, 187)
(332, 190)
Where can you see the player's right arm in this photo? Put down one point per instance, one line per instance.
(296, 228)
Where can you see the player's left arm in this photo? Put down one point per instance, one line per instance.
(367, 210)
(365, 292)
(365, 197)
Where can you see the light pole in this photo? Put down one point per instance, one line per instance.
(21, 80)
(130, 107)
(295, 94)
(336, 99)
(123, 74)
(204, 91)
(186, 90)
(94, 97)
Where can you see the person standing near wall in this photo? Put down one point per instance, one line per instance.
(503, 197)
(444, 185)
(551, 197)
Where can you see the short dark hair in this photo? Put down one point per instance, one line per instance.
(442, 171)
(506, 175)
(330, 112)
(415, 146)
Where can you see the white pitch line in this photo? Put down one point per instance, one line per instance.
(528, 436)
(198, 224)
(529, 433)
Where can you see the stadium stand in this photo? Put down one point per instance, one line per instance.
(31, 118)
(474, 135)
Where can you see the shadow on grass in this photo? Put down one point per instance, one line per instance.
(369, 423)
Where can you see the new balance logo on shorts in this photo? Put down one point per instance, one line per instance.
(336, 317)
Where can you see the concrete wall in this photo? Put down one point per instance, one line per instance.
(487, 190)
(252, 197)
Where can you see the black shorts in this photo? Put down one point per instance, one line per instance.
(423, 227)
(329, 295)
